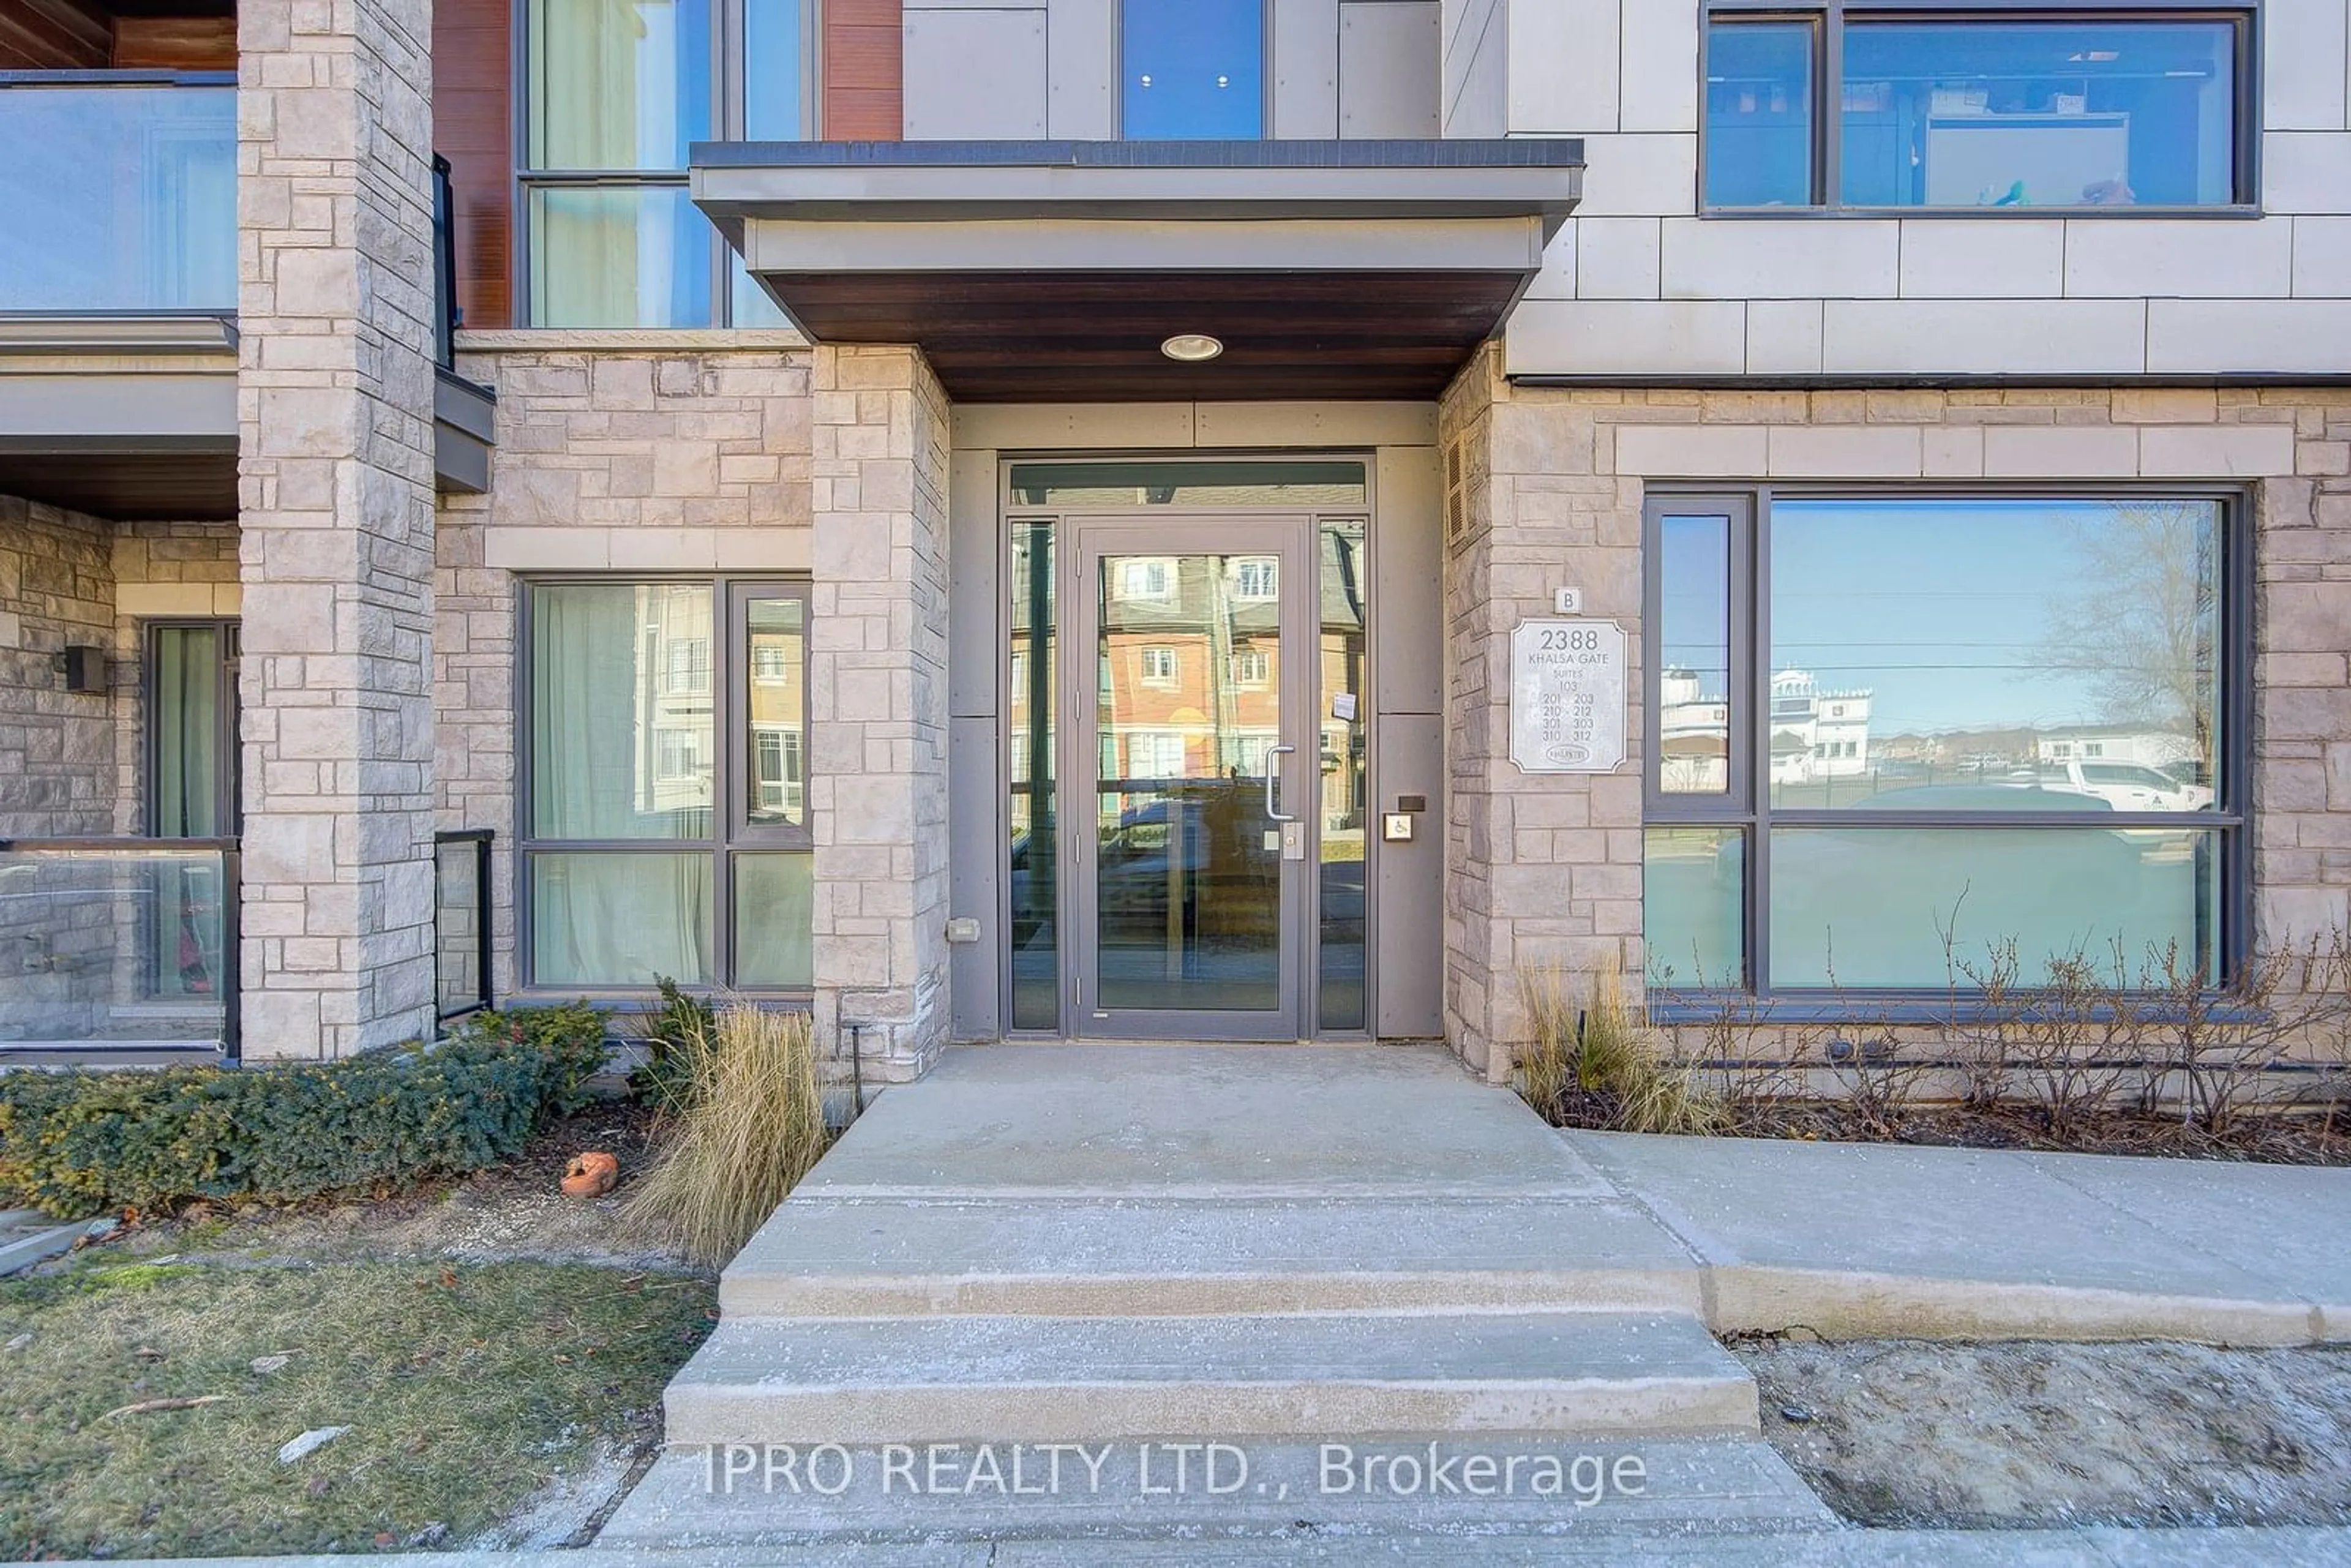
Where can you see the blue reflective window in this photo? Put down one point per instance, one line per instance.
(1759, 114)
(774, 102)
(1192, 69)
(2044, 114)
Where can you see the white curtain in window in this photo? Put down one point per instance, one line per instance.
(613, 917)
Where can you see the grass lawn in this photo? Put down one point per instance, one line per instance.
(467, 1388)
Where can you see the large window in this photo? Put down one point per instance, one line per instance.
(1895, 106)
(1192, 70)
(1872, 714)
(666, 829)
(614, 92)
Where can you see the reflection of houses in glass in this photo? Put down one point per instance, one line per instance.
(1190, 677)
(1693, 734)
(779, 761)
(673, 698)
(1817, 734)
(2141, 744)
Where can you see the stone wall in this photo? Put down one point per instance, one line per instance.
(56, 748)
(1545, 489)
(630, 452)
(335, 389)
(878, 705)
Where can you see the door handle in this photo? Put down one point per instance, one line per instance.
(1272, 775)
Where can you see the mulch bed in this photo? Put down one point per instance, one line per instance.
(2289, 1140)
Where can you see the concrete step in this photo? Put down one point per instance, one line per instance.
(875, 1258)
(1286, 1496)
(1113, 1379)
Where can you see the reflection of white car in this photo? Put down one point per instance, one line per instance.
(2127, 786)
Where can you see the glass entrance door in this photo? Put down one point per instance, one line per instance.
(1191, 746)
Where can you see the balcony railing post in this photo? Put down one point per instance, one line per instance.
(480, 839)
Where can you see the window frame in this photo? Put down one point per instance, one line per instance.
(1746, 808)
(227, 768)
(730, 32)
(732, 834)
(1829, 17)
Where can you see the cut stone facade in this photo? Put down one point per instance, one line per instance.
(56, 748)
(1545, 489)
(335, 389)
(878, 706)
(615, 457)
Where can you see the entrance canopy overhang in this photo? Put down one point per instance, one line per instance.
(1053, 271)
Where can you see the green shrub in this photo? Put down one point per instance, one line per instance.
(79, 1141)
(675, 1040)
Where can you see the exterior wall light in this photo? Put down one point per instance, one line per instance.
(1192, 348)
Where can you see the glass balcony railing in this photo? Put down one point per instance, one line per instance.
(120, 195)
(128, 943)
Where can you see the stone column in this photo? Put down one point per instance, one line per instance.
(1542, 869)
(878, 705)
(335, 304)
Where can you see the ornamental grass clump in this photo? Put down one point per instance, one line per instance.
(748, 1123)
(1598, 1047)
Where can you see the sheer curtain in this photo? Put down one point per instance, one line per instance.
(615, 86)
(615, 918)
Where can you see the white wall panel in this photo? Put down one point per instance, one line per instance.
(1983, 337)
(1082, 61)
(1659, 49)
(2188, 258)
(1388, 58)
(1627, 338)
(1708, 258)
(975, 74)
(1305, 69)
(1563, 65)
(2305, 64)
(1970, 258)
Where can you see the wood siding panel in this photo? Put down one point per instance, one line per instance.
(473, 127)
(864, 70)
(175, 43)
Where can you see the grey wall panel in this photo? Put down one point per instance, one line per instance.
(1407, 590)
(975, 796)
(1082, 61)
(975, 74)
(975, 840)
(1410, 906)
(975, 628)
(1389, 68)
(1408, 738)
(1305, 70)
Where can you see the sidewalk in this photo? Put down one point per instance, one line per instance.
(2087, 1548)
(1881, 1240)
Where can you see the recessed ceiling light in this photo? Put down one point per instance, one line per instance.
(1191, 348)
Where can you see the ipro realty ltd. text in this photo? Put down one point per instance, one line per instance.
(1170, 1470)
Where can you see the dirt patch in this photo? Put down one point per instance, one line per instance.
(1904, 1433)
(512, 1213)
(2288, 1140)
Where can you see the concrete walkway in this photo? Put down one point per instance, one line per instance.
(1130, 1251)
(1877, 1241)
(2087, 1548)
